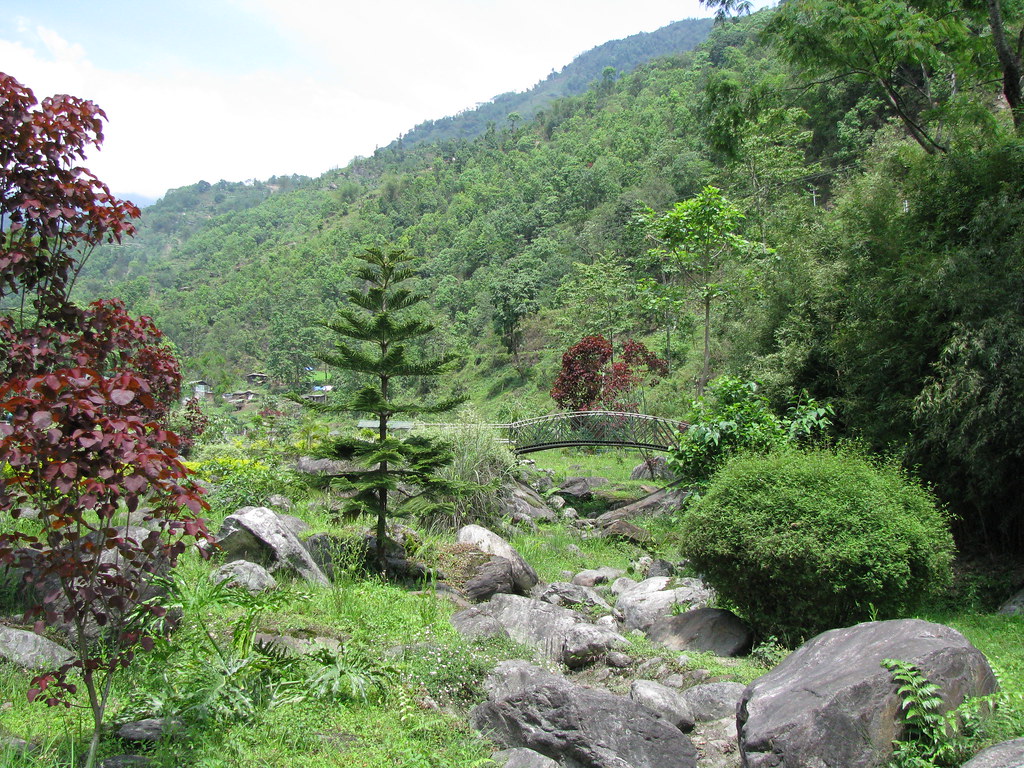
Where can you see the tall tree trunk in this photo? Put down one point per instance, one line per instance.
(705, 372)
(1010, 62)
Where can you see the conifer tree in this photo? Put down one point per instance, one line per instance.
(373, 336)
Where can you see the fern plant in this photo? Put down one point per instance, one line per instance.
(931, 738)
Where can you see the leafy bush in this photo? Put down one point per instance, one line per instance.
(800, 542)
(243, 482)
(738, 418)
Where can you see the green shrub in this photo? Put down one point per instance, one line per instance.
(800, 542)
(244, 482)
(737, 418)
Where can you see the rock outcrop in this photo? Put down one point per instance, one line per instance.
(523, 576)
(532, 708)
(561, 634)
(652, 599)
(831, 703)
(1009, 754)
(257, 535)
(31, 651)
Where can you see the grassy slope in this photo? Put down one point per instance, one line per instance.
(434, 676)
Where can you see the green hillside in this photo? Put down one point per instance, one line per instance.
(883, 208)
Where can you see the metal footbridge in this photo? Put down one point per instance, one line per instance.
(594, 428)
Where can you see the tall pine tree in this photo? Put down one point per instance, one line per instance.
(374, 332)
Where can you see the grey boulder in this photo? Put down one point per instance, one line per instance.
(523, 575)
(476, 623)
(561, 634)
(31, 651)
(521, 757)
(713, 701)
(715, 630)
(1014, 605)
(258, 535)
(523, 500)
(580, 727)
(652, 599)
(831, 704)
(493, 577)
(251, 577)
(565, 594)
(663, 701)
(581, 487)
(1008, 754)
(594, 576)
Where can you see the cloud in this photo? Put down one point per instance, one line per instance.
(271, 87)
(172, 130)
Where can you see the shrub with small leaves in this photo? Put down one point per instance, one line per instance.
(803, 541)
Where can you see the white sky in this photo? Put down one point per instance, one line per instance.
(239, 89)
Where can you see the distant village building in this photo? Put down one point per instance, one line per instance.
(201, 390)
(238, 399)
(257, 379)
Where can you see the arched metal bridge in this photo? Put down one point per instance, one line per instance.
(594, 428)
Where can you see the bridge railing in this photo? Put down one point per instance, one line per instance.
(613, 428)
(573, 428)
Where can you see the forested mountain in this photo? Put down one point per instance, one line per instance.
(885, 211)
(604, 63)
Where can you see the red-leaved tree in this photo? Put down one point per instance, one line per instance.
(83, 394)
(590, 380)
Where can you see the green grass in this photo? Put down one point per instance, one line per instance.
(402, 637)
(612, 463)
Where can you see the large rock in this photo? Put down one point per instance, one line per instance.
(623, 530)
(713, 701)
(581, 487)
(594, 576)
(1009, 754)
(521, 757)
(714, 630)
(241, 573)
(661, 502)
(568, 595)
(581, 728)
(151, 729)
(1014, 605)
(664, 702)
(831, 704)
(257, 535)
(523, 575)
(525, 502)
(30, 651)
(559, 633)
(476, 623)
(655, 468)
(652, 599)
(489, 579)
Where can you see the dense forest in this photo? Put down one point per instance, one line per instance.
(878, 174)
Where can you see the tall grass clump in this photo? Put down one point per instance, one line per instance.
(804, 541)
(478, 458)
